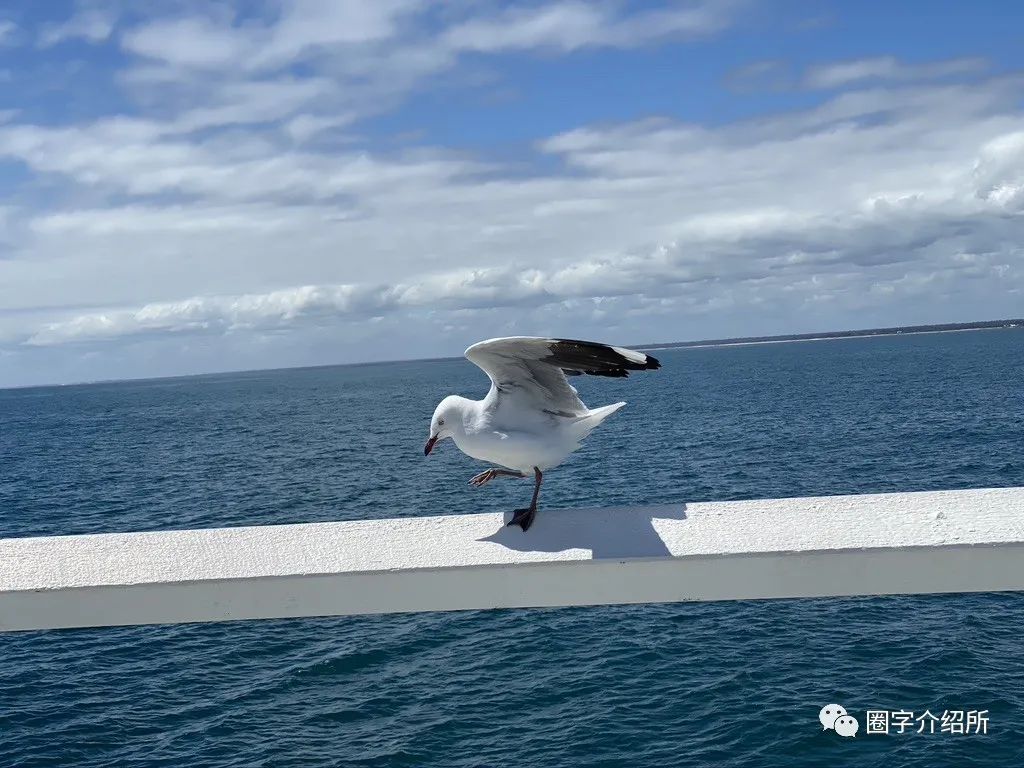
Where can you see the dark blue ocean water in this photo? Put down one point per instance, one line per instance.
(723, 684)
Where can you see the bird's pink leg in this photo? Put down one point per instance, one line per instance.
(489, 474)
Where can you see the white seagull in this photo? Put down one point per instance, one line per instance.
(531, 419)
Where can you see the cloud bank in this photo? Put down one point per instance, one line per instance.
(240, 201)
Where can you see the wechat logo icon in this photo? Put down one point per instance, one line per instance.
(835, 717)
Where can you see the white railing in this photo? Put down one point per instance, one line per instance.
(899, 543)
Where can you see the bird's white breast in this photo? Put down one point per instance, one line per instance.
(518, 450)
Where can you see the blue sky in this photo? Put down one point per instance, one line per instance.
(199, 186)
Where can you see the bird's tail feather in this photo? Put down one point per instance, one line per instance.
(586, 424)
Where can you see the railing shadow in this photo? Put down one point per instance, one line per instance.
(607, 533)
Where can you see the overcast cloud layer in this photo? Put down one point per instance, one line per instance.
(226, 198)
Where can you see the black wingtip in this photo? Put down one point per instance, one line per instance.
(595, 359)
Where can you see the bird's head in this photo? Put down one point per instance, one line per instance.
(445, 422)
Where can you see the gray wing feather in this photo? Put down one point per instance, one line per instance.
(535, 368)
(518, 368)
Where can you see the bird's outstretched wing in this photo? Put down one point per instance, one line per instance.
(535, 368)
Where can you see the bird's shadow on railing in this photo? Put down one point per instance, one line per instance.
(607, 533)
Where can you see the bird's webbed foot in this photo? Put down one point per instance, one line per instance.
(489, 474)
(523, 517)
(483, 478)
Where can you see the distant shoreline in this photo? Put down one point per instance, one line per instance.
(704, 344)
(912, 330)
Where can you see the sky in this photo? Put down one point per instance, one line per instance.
(191, 186)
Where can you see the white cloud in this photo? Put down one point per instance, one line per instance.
(308, 25)
(216, 314)
(304, 28)
(134, 157)
(190, 41)
(8, 29)
(998, 175)
(89, 24)
(570, 25)
(373, 54)
(314, 67)
(841, 74)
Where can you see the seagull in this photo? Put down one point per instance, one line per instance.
(532, 418)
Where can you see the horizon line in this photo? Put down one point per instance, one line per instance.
(978, 325)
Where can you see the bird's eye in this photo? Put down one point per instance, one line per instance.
(440, 422)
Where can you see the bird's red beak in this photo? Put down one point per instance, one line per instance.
(429, 446)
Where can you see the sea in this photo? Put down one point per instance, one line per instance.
(692, 684)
